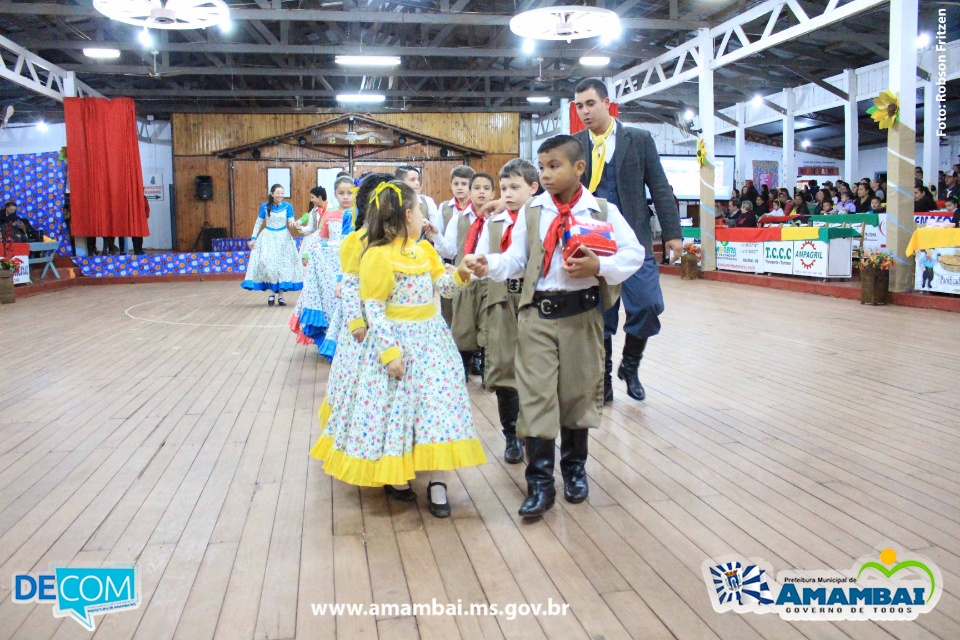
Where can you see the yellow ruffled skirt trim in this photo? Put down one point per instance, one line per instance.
(442, 456)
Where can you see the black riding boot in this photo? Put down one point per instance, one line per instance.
(467, 357)
(479, 362)
(540, 490)
(629, 370)
(607, 370)
(508, 405)
(573, 460)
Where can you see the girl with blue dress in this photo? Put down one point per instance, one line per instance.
(274, 263)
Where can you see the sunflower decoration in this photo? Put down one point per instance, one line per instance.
(885, 110)
(701, 152)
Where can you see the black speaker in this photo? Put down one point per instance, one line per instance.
(210, 234)
(204, 185)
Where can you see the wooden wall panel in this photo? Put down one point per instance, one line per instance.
(190, 212)
(205, 133)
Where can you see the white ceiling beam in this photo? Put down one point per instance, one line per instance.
(33, 72)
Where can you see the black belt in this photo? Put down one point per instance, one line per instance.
(515, 285)
(554, 305)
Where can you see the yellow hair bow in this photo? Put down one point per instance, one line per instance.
(383, 186)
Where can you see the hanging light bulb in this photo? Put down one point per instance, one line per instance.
(528, 45)
(145, 38)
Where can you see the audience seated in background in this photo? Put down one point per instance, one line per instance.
(864, 195)
(760, 205)
(846, 205)
(951, 206)
(951, 188)
(15, 228)
(922, 199)
(878, 189)
(747, 217)
(776, 207)
(876, 205)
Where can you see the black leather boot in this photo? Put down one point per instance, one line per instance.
(629, 370)
(607, 370)
(508, 405)
(467, 357)
(479, 361)
(573, 460)
(541, 492)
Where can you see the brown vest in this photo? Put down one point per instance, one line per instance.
(463, 228)
(536, 254)
(447, 212)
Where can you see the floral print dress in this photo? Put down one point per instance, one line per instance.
(274, 263)
(381, 430)
(318, 303)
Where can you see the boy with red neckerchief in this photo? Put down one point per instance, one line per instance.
(560, 329)
(460, 187)
(501, 303)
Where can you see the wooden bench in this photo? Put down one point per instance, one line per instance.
(47, 251)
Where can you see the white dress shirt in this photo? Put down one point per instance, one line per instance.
(433, 212)
(614, 269)
(446, 244)
(483, 245)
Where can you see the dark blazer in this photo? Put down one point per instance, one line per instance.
(638, 164)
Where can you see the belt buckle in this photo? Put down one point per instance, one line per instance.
(514, 286)
(546, 306)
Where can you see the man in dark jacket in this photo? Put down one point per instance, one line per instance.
(621, 162)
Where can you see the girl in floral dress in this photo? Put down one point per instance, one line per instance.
(274, 264)
(309, 298)
(409, 411)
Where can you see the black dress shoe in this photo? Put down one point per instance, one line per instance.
(403, 495)
(541, 491)
(270, 301)
(437, 509)
(573, 460)
(629, 370)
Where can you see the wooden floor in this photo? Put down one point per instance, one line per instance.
(169, 424)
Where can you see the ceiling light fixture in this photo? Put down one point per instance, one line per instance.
(361, 97)
(226, 26)
(41, 126)
(165, 14)
(538, 100)
(566, 23)
(528, 45)
(92, 52)
(757, 101)
(595, 61)
(923, 41)
(368, 61)
(145, 38)
(689, 114)
(805, 144)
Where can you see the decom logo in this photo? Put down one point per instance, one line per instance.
(726, 250)
(891, 589)
(808, 255)
(81, 593)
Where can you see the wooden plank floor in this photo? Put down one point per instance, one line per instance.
(169, 425)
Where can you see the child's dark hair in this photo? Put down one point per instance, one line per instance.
(520, 168)
(319, 192)
(387, 212)
(569, 145)
(402, 172)
(463, 171)
(269, 202)
(487, 176)
(362, 201)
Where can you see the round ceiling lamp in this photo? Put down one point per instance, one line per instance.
(166, 14)
(566, 23)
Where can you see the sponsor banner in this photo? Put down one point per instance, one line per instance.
(22, 274)
(938, 270)
(746, 257)
(778, 257)
(810, 258)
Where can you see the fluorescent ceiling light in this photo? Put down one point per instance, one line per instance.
(595, 61)
(923, 40)
(539, 99)
(757, 101)
(361, 97)
(92, 52)
(689, 114)
(368, 61)
(41, 126)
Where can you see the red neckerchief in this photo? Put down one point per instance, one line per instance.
(473, 236)
(507, 236)
(456, 203)
(557, 228)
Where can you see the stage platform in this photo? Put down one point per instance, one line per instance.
(169, 425)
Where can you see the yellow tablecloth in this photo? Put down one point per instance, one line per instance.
(923, 239)
(800, 233)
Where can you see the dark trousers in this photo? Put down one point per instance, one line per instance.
(642, 301)
(927, 278)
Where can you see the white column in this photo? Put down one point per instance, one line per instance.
(931, 142)
(788, 178)
(70, 85)
(902, 141)
(851, 130)
(741, 145)
(708, 243)
(564, 116)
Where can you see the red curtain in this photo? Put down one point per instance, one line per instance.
(106, 181)
(577, 125)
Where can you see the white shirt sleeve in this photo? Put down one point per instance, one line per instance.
(446, 243)
(433, 214)
(630, 253)
(514, 259)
